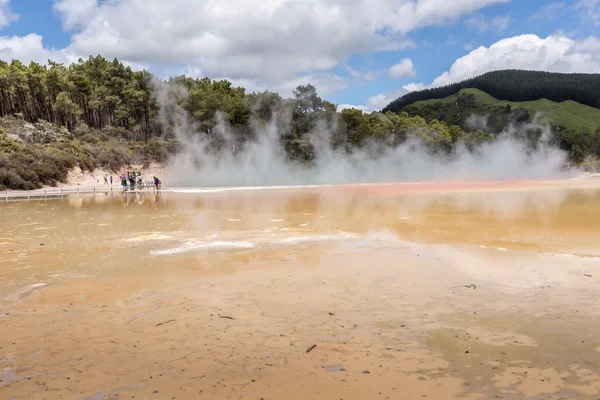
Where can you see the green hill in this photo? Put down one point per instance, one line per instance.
(457, 108)
(576, 127)
(516, 85)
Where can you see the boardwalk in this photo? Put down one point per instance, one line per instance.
(53, 193)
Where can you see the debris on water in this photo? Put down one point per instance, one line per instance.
(471, 286)
(311, 348)
(334, 368)
(331, 313)
(225, 317)
(588, 275)
(166, 322)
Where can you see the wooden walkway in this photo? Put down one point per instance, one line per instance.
(59, 193)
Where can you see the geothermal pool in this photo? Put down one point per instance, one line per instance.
(454, 291)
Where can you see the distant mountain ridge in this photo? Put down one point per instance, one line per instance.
(516, 86)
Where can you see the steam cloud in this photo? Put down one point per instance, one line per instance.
(261, 161)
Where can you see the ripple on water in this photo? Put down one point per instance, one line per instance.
(145, 238)
(23, 291)
(191, 246)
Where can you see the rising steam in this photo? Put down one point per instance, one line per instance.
(261, 161)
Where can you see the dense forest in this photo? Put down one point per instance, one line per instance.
(516, 85)
(97, 113)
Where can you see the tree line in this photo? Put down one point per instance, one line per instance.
(97, 113)
(516, 86)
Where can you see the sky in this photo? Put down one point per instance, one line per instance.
(357, 53)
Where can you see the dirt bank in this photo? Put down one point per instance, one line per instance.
(77, 177)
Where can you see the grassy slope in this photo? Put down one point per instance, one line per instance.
(570, 114)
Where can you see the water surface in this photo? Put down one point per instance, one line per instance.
(445, 291)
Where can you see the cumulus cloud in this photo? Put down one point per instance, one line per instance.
(403, 69)
(377, 102)
(75, 13)
(342, 107)
(414, 87)
(553, 54)
(482, 25)
(7, 16)
(31, 48)
(381, 100)
(267, 42)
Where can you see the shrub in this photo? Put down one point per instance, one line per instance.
(7, 144)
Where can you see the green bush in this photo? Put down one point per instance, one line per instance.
(30, 166)
(7, 144)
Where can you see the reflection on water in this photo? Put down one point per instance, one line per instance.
(106, 233)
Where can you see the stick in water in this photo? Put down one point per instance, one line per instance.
(166, 322)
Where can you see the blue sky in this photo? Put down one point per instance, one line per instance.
(278, 44)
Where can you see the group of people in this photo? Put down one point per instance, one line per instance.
(132, 180)
(136, 180)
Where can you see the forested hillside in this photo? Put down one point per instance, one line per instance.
(97, 113)
(516, 85)
(569, 104)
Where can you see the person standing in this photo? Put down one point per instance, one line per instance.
(111, 180)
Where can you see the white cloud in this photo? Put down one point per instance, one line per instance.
(589, 45)
(403, 69)
(397, 46)
(75, 13)
(362, 76)
(482, 25)
(398, 71)
(590, 9)
(554, 54)
(268, 42)
(30, 48)
(587, 10)
(7, 16)
(326, 84)
(377, 102)
(414, 87)
(550, 12)
(381, 100)
(346, 106)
